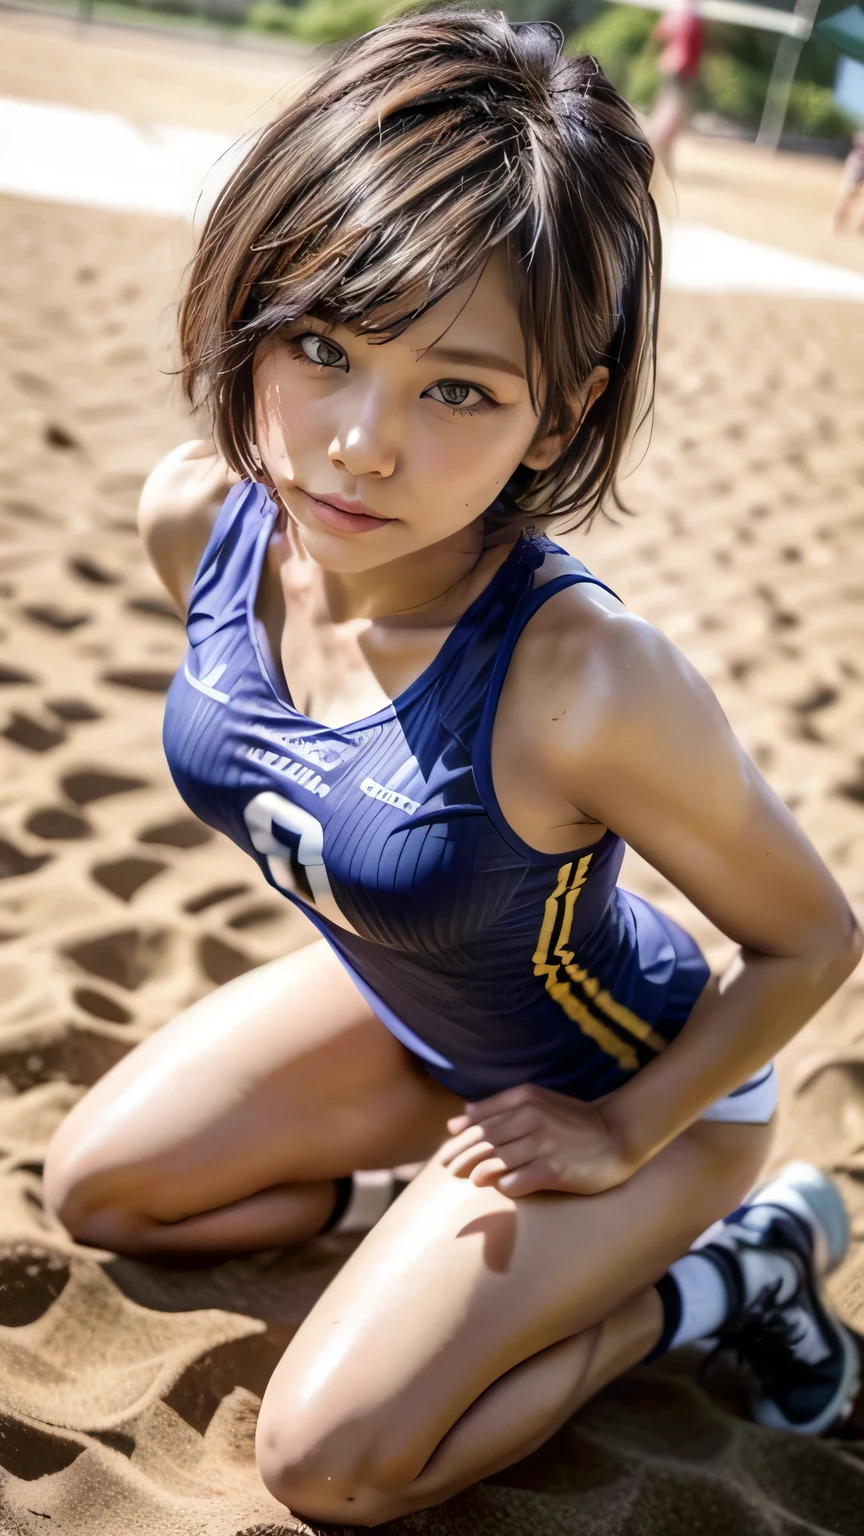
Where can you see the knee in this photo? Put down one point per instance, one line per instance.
(338, 1474)
(87, 1201)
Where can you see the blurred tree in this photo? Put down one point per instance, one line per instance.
(735, 70)
(330, 21)
(734, 75)
(317, 21)
(620, 37)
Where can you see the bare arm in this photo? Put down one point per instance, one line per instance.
(633, 736)
(176, 512)
(666, 771)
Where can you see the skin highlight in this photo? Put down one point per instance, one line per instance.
(458, 1350)
(381, 425)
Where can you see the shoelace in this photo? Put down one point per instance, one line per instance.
(765, 1339)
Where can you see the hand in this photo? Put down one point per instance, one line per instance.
(529, 1139)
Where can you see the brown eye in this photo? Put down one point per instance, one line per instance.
(323, 352)
(459, 396)
(454, 394)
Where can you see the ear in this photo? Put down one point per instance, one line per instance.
(545, 450)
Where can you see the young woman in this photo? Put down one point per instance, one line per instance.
(421, 314)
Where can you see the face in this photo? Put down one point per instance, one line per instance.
(381, 450)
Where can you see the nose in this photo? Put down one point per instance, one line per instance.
(364, 442)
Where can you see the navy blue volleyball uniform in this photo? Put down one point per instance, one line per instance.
(493, 963)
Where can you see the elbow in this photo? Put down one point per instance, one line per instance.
(843, 947)
(855, 943)
(829, 951)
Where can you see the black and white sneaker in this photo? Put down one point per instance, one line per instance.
(804, 1364)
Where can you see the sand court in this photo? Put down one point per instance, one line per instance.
(129, 1391)
(66, 154)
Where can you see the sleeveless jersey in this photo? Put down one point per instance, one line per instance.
(493, 963)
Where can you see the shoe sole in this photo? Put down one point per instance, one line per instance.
(767, 1413)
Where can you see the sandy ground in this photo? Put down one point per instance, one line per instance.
(749, 192)
(129, 1392)
(145, 75)
(197, 84)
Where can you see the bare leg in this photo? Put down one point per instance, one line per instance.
(667, 121)
(467, 1327)
(843, 204)
(224, 1131)
(520, 1411)
(280, 1216)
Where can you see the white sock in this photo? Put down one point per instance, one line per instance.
(759, 1267)
(704, 1298)
(373, 1191)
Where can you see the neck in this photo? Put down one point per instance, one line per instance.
(433, 583)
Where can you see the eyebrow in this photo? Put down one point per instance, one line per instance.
(468, 359)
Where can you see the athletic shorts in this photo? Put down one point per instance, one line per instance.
(752, 1104)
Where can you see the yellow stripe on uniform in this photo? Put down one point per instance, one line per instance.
(561, 990)
(550, 917)
(569, 902)
(576, 1010)
(624, 1016)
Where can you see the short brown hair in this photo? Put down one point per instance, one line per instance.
(390, 180)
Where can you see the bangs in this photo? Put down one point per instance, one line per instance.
(421, 149)
(416, 210)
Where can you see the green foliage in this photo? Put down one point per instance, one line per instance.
(271, 16)
(737, 91)
(733, 80)
(813, 111)
(620, 37)
(329, 21)
(319, 21)
(732, 88)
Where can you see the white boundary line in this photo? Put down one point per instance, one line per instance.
(101, 160)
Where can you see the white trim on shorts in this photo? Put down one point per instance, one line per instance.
(752, 1104)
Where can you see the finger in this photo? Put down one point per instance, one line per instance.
(508, 1129)
(463, 1166)
(497, 1103)
(511, 1124)
(488, 1172)
(457, 1144)
(458, 1123)
(528, 1180)
(500, 1133)
(517, 1154)
(499, 1130)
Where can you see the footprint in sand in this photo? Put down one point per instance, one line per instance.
(123, 877)
(100, 1006)
(128, 957)
(53, 822)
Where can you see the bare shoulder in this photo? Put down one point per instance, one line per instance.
(584, 635)
(620, 724)
(601, 685)
(177, 509)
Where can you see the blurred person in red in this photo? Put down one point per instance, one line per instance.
(682, 36)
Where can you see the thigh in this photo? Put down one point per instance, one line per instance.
(282, 1075)
(457, 1285)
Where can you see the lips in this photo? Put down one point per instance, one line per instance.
(339, 515)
